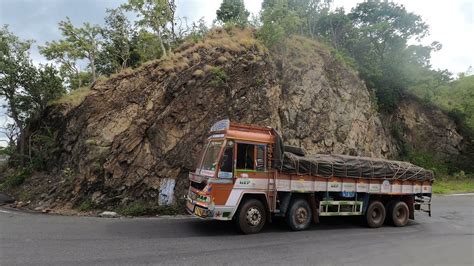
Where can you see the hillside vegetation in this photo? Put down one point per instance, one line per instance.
(127, 130)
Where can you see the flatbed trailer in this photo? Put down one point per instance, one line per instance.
(247, 175)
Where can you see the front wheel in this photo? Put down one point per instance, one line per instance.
(251, 217)
(299, 215)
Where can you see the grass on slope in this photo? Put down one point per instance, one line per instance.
(74, 98)
(449, 186)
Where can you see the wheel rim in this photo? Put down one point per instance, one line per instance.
(254, 216)
(301, 215)
(376, 215)
(400, 213)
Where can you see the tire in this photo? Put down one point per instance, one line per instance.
(299, 215)
(375, 215)
(251, 216)
(399, 214)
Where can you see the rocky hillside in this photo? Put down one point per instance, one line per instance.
(135, 136)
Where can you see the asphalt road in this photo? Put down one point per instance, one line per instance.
(36, 239)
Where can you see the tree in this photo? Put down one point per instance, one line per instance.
(337, 28)
(64, 54)
(279, 21)
(309, 11)
(26, 88)
(14, 65)
(45, 85)
(78, 43)
(386, 25)
(233, 11)
(382, 30)
(116, 51)
(146, 46)
(156, 15)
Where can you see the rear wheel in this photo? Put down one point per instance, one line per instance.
(375, 215)
(299, 215)
(399, 213)
(251, 217)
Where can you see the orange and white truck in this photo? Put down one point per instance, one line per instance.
(247, 175)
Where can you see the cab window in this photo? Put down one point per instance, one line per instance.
(226, 164)
(245, 156)
(251, 157)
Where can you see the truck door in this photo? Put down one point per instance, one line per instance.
(250, 160)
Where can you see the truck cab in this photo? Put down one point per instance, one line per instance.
(235, 157)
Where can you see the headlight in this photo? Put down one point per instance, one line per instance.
(203, 198)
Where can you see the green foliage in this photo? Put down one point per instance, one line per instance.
(85, 206)
(140, 208)
(16, 178)
(380, 48)
(156, 15)
(25, 196)
(337, 28)
(78, 43)
(147, 46)
(344, 58)
(457, 96)
(428, 161)
(116, 51)
(43, 147)
(233, 11)
(458, 183)
(26, 88)
(220, 76)
(278, 22)
(198, 31)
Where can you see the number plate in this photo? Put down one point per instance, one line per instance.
(199, 212)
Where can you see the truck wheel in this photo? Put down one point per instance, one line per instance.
(399, 214)
(251, 217)
(299, 215)
(375, 215)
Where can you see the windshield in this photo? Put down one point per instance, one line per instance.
(209, 162)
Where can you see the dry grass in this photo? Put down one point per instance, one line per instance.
(74, 98)
(198, 73)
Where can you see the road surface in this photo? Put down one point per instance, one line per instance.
(37, 239)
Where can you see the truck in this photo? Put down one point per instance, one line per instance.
(247, 175)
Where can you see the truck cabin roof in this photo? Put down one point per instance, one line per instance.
(243, 132)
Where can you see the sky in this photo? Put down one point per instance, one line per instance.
(451, 23)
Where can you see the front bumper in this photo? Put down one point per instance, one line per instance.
(194, 208)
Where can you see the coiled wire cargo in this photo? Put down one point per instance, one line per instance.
(351, 167)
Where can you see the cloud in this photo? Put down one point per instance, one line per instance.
(467, 10)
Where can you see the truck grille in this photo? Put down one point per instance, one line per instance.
(198, 186)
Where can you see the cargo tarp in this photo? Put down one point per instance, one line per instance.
(350, 167)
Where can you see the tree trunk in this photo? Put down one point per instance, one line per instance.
(92, 61)
(162, 46)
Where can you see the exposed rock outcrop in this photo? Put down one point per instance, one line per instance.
(427, 129)
(137, 135)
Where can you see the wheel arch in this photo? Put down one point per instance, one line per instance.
(261, 196)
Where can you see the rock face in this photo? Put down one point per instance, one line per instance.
(325, 108)
(428, 129)
(138, 134)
